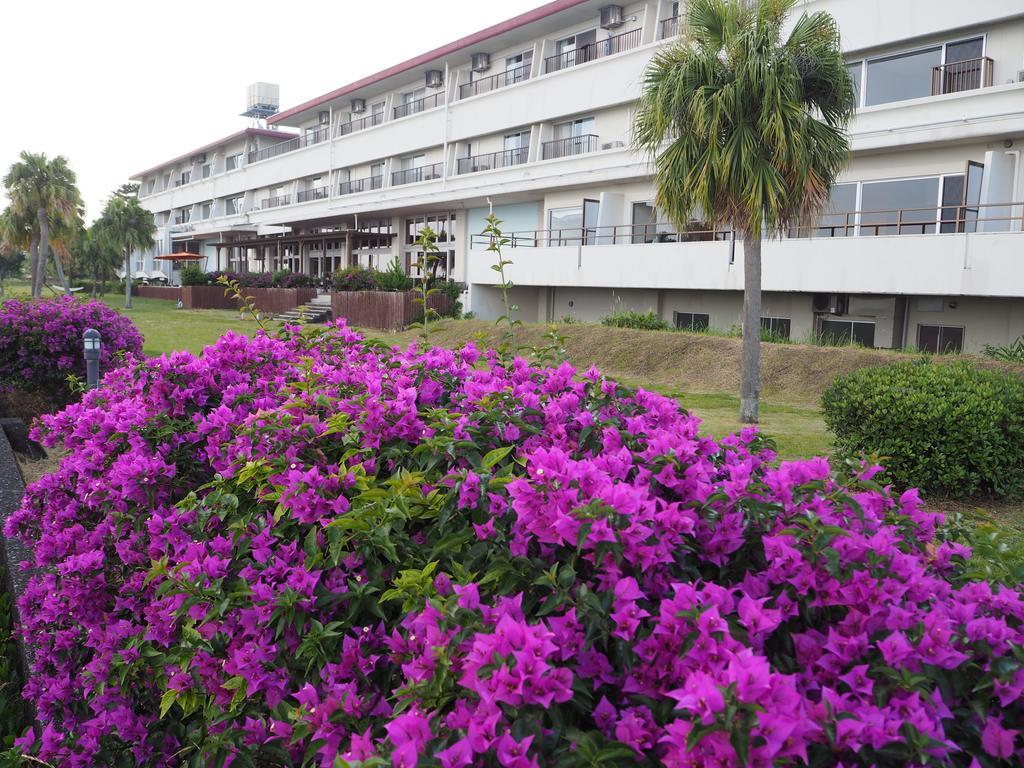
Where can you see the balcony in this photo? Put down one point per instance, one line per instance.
(315, 193)
(413, 175)
(574, 145)
(489, 162)
(668, 28)
(959, 76)
(183, 218)
(597, 50)
(494, 82)
(275, 202)
(307, 140)
(419, 105)
(360, 185)
(375, 118)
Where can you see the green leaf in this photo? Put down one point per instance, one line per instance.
(493, 457)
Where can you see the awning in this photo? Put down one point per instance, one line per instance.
(180, 257)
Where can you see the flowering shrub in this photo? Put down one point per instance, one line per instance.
(280, 279)
(41, 342)
(355, 279)
(296, 550)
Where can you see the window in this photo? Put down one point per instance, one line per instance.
(205, 212)
(186, 177)
(940, 339)
(856, 70)
(233, 205)
(376, 175)
(573, 128)
(443, 225)
(776, 327)
(692, 321)
(232, 162)
(206, 170)
(151, 185)
(904, 207)
(574, 49)
(519, 140)
(517, 68)
(167, 180)
(838, 219)
(573, 226)
(943, 68)
(846, 331)
(573, 137)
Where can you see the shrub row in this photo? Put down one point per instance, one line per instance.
(950, 429)
(281, 279)
(311, 550)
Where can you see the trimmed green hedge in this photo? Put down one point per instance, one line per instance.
(645, 321)
(951, 429)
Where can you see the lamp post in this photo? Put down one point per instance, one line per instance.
(91, 340)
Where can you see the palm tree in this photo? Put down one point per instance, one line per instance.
(95, 255)
(747, 129)
(18, 234)
(46, 188)
(126, 226)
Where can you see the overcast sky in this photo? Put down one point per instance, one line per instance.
(117, 86)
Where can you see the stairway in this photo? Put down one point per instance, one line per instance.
(317, 310)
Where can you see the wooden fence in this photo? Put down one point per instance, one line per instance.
(384, 310)
(272, 301)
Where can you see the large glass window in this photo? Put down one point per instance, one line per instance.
(776, 327)
(692, 321)
(905, 207)
(838, 216)
(565, 225)
(846, 332)
(856, 70)
(905, 76)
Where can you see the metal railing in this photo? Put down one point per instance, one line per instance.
(957, 76)
(951, 219)
(184, 218)
(419, 105)
(668, 27)
(276, 202)
(360, 185)
(508, 157)
(494, 82)
(412, 175)
(574, 145)
(596, 50)
(315, 193)
(306, 140)
(374, 118)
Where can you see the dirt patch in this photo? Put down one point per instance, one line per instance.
(691, 362)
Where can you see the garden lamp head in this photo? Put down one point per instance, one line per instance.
(91, 340)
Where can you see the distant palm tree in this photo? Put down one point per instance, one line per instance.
(47, 188)
(96, 256)
(747, 130)
(18, 234)
(126, 226)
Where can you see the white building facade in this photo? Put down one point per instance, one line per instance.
(922, 247)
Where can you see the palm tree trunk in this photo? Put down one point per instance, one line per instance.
(127, 278)
(44, 248)
(33, 261)
(750, 374)
(58, 263)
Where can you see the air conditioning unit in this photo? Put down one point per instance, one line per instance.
(820, 302)
(200, 158)
(435, 78)
(324, 116)
(358, 106)
(1020, 75)
(480, 62)
(611, 17)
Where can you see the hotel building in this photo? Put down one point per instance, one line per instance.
(922, 245)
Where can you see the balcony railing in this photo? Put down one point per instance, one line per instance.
(612, 45)
(412, 175)
(316, 193)
(669, 27)
(360, 185)
(374, 118)
(419, 105)
(276, 202)
(306, 140)
(957, 76)
(574, 145)
(494, 82)
(183, 218)
(508, 157)
(956, 219)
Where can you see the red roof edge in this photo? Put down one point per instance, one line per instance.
(284, 135)
(548, 9)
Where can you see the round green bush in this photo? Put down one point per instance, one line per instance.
(953, 429)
